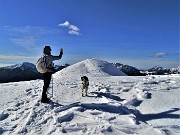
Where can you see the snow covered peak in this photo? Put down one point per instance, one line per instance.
(19, 72)
(129, 70)
(91, 67)
(175, 70)
(156, 68)
(27, 64)
(21, 65)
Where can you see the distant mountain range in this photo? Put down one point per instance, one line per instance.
(27, 71)
(157, 70)
(21, 72)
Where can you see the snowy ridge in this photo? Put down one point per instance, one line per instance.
(91, 67)
(129, 70)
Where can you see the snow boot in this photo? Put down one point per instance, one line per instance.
(46, 100)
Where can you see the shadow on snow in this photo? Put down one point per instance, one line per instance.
(162, 115)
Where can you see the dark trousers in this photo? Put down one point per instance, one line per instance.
(47, 80)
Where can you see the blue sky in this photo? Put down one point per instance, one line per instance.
(140, 33)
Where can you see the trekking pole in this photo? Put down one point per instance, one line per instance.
(52, 86)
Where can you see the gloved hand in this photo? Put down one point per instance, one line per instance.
(61, 52)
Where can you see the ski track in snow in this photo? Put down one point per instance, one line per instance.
(110, 108)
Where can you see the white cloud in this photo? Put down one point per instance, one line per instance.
(73, 30)
(5, 64)
(28, 36)
(26, 41)
(11, 57)
(65, 24)
(7, 60)
(160, 54)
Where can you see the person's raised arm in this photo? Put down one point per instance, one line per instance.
(61, 53)
(58, 57)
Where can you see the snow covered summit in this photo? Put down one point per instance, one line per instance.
(20, 72)
(91, 67)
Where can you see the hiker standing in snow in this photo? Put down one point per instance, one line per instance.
(50, 66)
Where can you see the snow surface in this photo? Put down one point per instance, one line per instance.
(115, 104)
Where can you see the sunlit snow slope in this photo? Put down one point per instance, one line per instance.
(91, 67)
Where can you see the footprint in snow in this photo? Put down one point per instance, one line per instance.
(3, 115)
(28, 91)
